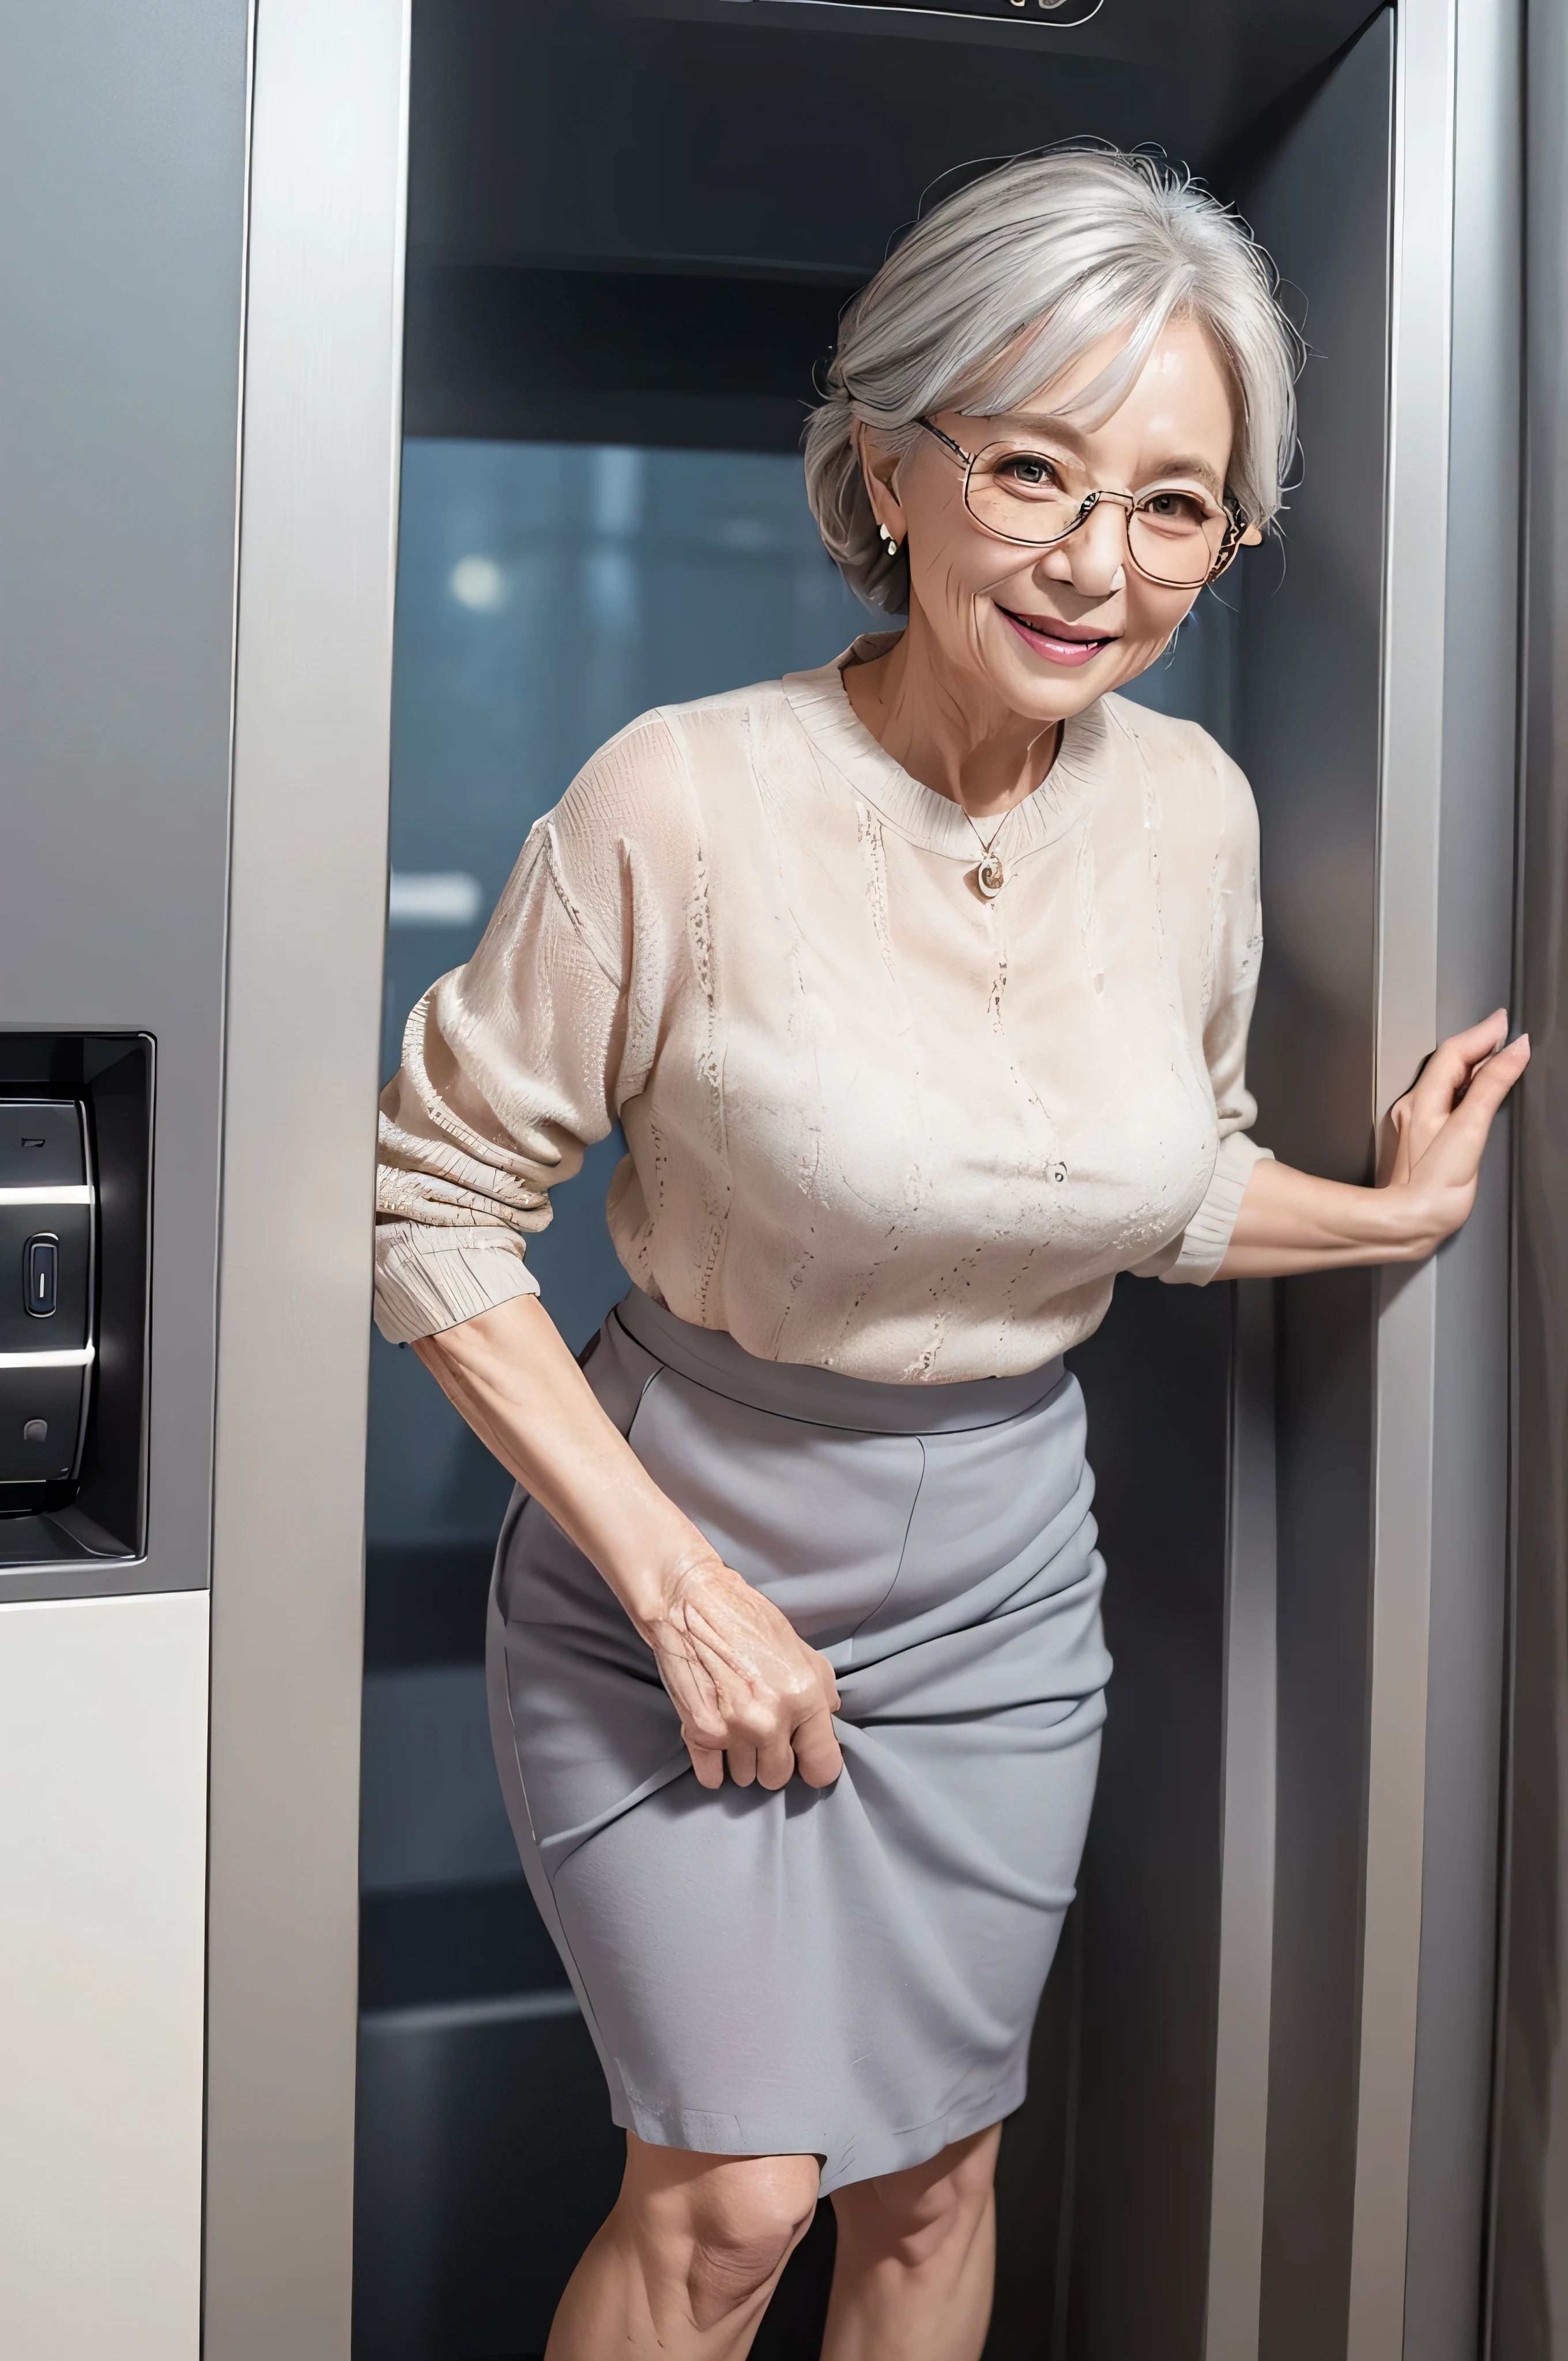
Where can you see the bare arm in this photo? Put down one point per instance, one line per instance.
(1292, 1221)
(746, 1685)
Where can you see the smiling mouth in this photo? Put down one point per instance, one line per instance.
(1059, 642)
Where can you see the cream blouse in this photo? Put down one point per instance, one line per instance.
(875, 1123)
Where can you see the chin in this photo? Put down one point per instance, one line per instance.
(1057, 693)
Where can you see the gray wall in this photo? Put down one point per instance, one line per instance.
(1529, 2312)
(122, 190)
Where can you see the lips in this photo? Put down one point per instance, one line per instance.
(1059, 642)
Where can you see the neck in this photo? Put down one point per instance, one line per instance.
(946, 729)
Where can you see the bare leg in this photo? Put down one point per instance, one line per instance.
(916, 2259)
(683, 2268)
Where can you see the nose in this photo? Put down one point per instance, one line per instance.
(1094, 559)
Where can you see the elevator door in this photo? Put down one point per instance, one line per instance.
(612, 325)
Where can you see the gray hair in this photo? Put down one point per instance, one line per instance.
(1002, 286)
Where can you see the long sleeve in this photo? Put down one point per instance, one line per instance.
(1229, 983)
(516, 1063)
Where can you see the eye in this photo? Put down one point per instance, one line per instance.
(1028, 471)
(1175, 511)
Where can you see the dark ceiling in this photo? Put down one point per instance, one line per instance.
(751, 161)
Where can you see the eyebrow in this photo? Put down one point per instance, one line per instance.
(1036, 422)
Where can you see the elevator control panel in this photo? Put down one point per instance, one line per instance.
(48, 1236)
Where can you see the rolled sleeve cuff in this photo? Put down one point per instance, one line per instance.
(1192, 1259)
(427, 1280)
(1208, 1235)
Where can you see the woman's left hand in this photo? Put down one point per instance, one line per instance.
(1441, 1125)
(1291, 1220)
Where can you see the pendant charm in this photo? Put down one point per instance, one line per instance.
(989, 877)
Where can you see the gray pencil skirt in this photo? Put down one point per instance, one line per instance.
(853, 1972)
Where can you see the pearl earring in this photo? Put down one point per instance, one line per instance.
(891, 545)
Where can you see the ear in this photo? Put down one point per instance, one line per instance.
(1253, 537)
(879, 468)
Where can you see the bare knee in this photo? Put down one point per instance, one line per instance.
(723, 2226)
(750, 2214)
(909, 2217)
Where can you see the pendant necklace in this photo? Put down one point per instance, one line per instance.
(989, 877)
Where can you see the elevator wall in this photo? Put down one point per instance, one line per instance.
(1528, 2297)
(122, 183)
(123, 138)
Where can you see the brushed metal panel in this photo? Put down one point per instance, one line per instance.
(1413, 775)
(319, 504)
(122, 180)
(1448, 2172)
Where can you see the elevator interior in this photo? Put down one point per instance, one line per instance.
(630, 230)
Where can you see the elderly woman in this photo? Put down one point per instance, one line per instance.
(920, 985)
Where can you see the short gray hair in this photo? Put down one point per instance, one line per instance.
(1000, 288)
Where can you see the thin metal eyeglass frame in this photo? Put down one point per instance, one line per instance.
(1236, 523)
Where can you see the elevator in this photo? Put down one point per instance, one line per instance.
(469, 343)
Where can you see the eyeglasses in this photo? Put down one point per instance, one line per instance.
(1177, 536)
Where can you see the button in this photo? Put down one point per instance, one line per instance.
(42, 1267)
(41, 1419)
(40, 1144)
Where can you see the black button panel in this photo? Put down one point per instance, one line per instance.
(46, 1290)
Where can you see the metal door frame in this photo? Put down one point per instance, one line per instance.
(1445, 869)
(307, 912)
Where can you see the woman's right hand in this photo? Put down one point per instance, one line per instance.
(745, 1684)
(744, 1681)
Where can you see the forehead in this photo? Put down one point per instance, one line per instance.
(1183, 364)
(1177, 410)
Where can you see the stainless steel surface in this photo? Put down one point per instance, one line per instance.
(308, 904)
(1406, 1022)
(1528, 2309)
(122, 178)
(1448, 2168)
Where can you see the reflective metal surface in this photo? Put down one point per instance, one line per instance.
(120, 283)
(306, 913)
(1449, 2162)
